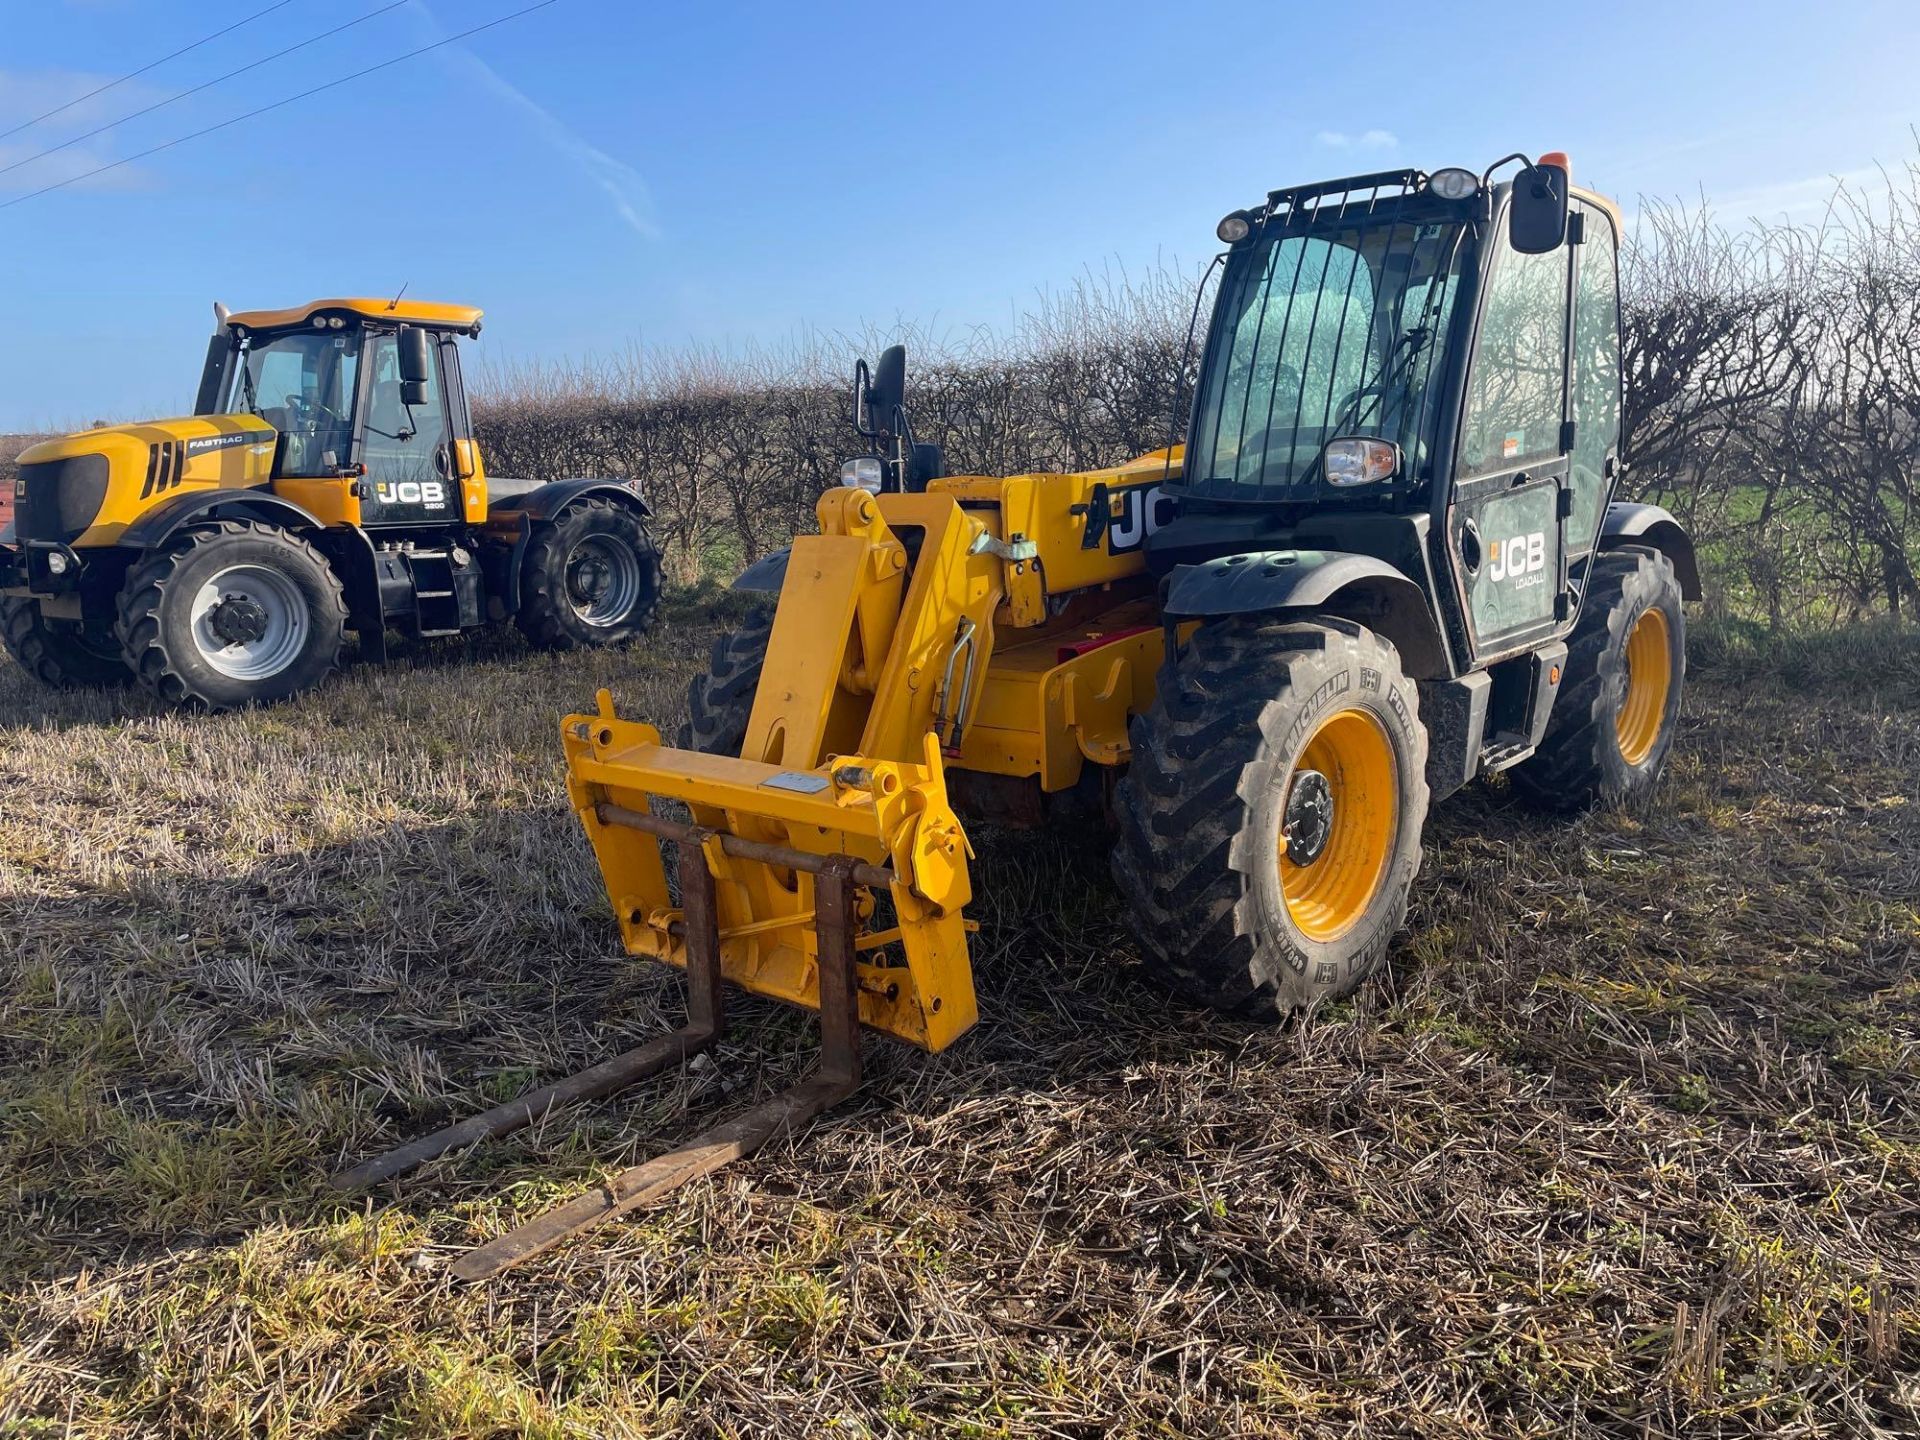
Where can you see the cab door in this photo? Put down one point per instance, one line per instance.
(406, 449)
(1506, 523)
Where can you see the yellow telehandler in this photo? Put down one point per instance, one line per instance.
(1385, 561)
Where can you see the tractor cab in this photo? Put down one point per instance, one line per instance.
(365, 397)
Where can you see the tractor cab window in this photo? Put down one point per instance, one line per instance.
(301, 383)
(1518, 382)
(1596, 377)
(402, 442)
(1319, 331)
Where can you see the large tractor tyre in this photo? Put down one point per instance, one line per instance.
(590, 578)
(59, 655)
(720, 702)
(231, 614)
(1270, 820)
(1614, 721)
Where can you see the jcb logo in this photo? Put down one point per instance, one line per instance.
(1522, 555)
(410, 492)
(1142, 512)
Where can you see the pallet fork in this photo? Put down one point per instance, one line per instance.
(831, 881)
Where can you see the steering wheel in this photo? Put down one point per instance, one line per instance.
(309, 412)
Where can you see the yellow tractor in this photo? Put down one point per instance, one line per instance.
(328, 480)
(1385, 561)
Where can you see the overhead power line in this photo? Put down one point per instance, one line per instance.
(275, 105)
(132, 74)
(204, 85)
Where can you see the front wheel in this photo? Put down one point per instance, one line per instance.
(230, 614)
(1613, 722)
(1270, 820)
(590, 578)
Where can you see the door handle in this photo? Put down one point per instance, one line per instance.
(1470, 548)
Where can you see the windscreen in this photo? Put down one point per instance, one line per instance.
(301, 382)
(1322, 328)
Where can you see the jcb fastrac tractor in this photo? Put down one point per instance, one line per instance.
(328, 480)
(1385, 562)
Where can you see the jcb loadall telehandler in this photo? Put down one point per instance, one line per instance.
(1386, 561)
(329, 479)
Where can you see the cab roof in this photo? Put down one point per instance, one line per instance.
(409, 312)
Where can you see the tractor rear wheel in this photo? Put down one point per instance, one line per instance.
(720, 702)
(591, 578)
(1613, 722)
(1270, 819)
(230, 614)
(61, 655)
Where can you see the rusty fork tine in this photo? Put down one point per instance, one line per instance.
(706, 1019)
(834, 1078)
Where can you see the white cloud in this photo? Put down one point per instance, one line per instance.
(26, 94)
(1365, 140)
(625, 190)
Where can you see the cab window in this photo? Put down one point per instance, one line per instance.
(1596, 377)
(402, 442)
(1518, 382)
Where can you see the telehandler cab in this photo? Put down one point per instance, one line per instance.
(1385, 561)
(329, 479)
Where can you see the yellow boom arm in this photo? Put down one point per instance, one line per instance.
(867, 676)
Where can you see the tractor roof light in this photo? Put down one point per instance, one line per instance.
(1234, 228)
(1453, 183)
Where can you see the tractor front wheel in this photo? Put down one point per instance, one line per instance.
(591, 578)
(230, 614)
(1270, 820)
(720, 702)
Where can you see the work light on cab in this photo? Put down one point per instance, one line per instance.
(1234, 228)
(1453, 183)
(867, 472)
(1352, 461)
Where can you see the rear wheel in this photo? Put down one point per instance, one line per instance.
(62, 654)
(1613, 723)
(720, 702)
(231, 614)
(591, 578)
(1270, 819)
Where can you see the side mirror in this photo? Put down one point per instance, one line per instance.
(415, 357)
(413, 392)
(887, 391)
(1537, 213)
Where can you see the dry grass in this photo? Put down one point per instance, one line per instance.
(1626, 1144)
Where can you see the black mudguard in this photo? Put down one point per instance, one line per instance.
(169, 516)
(1652, 526)
(543, 502)
(1359, 587)
(765, 576)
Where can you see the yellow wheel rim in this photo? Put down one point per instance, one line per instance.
(1643, 710)
(1328, 893)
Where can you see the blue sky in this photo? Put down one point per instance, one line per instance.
(601, 174)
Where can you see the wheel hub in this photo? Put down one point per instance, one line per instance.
(589, 579)
(238, 620)
(1309, 816)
